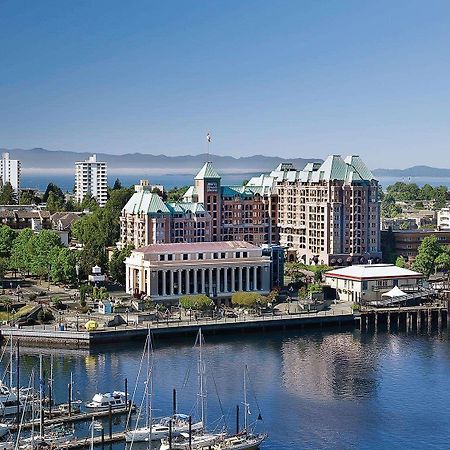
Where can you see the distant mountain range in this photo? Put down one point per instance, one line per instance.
(39, 160)
(415, 171)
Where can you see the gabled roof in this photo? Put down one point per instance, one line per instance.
(207, 171)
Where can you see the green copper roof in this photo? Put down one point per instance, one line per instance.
(146, 202)
(207, 171)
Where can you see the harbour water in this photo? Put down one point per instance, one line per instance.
(316, 390)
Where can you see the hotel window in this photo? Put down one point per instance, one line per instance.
(169, 257)
(244, 254)
(238, 254)
(216, 256)
(161, 257)
(200, 256)
(223, 255)
(185, 256)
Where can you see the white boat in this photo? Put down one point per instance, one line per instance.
(180, 423)
(197, 442)
(102, 402)
(63, 409)
(144, 434)
(8, 401)
(242, 441)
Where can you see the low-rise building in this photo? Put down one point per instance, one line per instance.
(366, 283)
(406, 243)
(19, 217)
(217, 269)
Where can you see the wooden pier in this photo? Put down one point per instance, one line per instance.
(85, 442)
(73, 418)
(405, 318)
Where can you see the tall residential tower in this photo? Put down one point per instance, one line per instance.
(10, 172)
(91, 178)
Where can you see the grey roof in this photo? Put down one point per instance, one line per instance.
(207, 171)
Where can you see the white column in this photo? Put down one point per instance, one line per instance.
(188, 290)
(148, 281)
(195, 281)
(171, 282)
(141, 280)
(247, 278)
(203, 281)
(218, 279)
(233, 279)
(179, 281)
(210, 281)
(240, 278)
(164, 282)
(225, 279)
(255, 273)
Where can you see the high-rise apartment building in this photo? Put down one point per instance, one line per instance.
(329, 213)
(10, 172)
(91, 178)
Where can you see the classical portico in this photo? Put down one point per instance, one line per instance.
(168, 271)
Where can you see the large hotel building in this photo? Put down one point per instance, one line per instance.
(327, 213)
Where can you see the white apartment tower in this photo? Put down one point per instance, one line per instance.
(10, 172)
(91, 178)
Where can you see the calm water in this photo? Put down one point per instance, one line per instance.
(66, 182)
(324, 390)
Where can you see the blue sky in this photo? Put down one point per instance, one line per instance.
(288, 78)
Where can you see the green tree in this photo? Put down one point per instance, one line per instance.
(8, 195)
(247, 299)
(176, 193)
(28, 197)
(42, 248)
(117, 264)
(198, 302)
(4, 266)
(7, 236)
(63, 262)
(54, 203)
(442, 261)
(89, 203)
(400, 262)
(427, 253)
(21, 250)
(57, 191)
(117, 185)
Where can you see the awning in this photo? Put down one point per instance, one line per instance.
(395, 292)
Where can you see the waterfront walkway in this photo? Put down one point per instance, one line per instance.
(339, 314)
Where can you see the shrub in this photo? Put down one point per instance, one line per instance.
(198, 302)
(32, 297)
(247, 299)
(44, 316)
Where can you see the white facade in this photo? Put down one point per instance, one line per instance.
(364, 283)
(10, 172)
(168, 271)
(443, 219)
(91, 178)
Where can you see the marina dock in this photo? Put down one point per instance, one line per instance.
(73, 418)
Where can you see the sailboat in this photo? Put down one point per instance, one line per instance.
(150, 431)
(194, 437)
(245, 439)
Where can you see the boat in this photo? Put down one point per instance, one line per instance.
(63, 409)
(244, 441)
(101, 402)
(4, 429)
(196, 442)
(9, 402)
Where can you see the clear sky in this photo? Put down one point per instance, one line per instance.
(288, 78)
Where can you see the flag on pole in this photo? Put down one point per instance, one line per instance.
(208, 138)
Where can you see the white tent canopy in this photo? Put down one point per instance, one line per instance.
(395, 292)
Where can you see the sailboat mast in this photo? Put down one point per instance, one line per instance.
(11, 362)
(245, 401)
(201, 381)
(41, 399)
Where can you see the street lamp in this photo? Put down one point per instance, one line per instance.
(77, 321)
